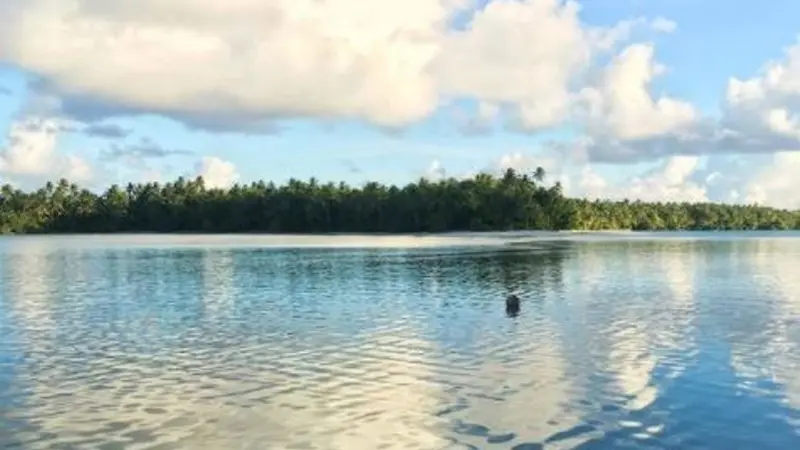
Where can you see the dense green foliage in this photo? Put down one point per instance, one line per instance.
(513, 201)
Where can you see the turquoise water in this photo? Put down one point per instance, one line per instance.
(687, 341)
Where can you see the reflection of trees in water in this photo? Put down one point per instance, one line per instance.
(375, 341)
(532, 273)
(219, 289)
(402, 281)
(30, 286)
(453, 300)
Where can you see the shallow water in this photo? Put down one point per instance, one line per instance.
(645, 341)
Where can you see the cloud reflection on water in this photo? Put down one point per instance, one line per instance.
(773, 353)
(351, 348)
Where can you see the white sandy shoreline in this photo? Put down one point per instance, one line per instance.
(366, 241)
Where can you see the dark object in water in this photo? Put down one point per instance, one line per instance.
(512, 305)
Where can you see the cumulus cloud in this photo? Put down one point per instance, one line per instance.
(519, 53)
(669, 182)
(383, 61)
(751, 179)
(531, 65)
(216, 172)
(777, 184)
(621, 106)
(766, 106)
(248, 59)
(759, 115)
(31, 154)
(527, 56)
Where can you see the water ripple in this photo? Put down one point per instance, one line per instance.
(629, 344)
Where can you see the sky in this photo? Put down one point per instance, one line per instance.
(669, 100)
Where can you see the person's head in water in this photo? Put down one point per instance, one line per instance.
(512, 305)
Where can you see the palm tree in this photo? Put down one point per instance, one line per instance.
(539, 174)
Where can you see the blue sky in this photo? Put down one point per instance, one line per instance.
(632, 149)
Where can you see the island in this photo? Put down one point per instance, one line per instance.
(513, 201)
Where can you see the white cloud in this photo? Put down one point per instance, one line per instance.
(767, 105)
(675, 178)
(77, 169)
(621, 107)
(530, 63)
(216, 172)
(777, 184)
(520, 53)
(385, 61)
(668, 182)
(250, 58)
(528, 55)
(744, 179)
(759, 115)
(32, 153)
(30, 147)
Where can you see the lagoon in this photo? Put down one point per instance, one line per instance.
(624, 340)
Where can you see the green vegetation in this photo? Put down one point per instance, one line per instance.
(483, 203)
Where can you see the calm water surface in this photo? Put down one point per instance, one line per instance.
(143, 342)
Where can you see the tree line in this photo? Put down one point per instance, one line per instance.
(513, 201)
